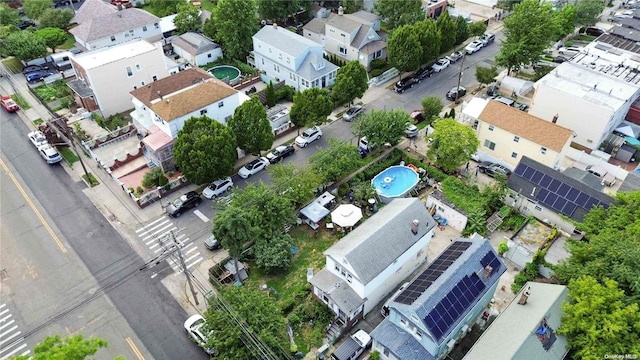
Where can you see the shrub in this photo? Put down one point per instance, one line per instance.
(503, 248)
(152, 178)
(285, 93)
(139, 190)
(378, 64)
(376, 72)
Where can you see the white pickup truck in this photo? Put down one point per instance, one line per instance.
(353, 346)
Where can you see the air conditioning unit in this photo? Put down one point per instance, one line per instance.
(466, 329)
(450, 345)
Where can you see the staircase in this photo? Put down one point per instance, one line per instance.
(495, 221)
(335, 330)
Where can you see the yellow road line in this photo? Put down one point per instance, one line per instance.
(134, 348)
(33, 207)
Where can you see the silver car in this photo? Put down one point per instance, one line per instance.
(411, 131)
(352, 113)
(218, 188)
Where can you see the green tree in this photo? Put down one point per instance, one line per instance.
(234, 228)
(24, 45)
(251, 127)
(351, 6)
(597, 321)
(280, 10)
(188, 18)
(294, 182)
(462, 30)
(588, 12)
(8, 16)
(269, 211)
(205, 150)
(403, 48)
(164, 7)
(566, 20)
(68, 348)
(55, 18)
(52, 37)
(486, 75)
(270, 95)
(431, 107)
(528, 31)
(452, 144)
(336, 161)
(429, 38)
(477, 28)
(396, 13)
(233, 23)
(351, 82)
(310, 107)
(447, 28)
(508, 4)
(35, 8)
(382, 126)
(275, 254)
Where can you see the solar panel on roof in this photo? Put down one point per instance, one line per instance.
(542, 194)
(528, 173)
(550, 200)
(555, 184)
(582, 199)
(520, 169)
(591, 202)
(432, 272)
(537, 176)
(573, 194)
(569, 208)
(563, 190)
(559, 204)
(546, 181)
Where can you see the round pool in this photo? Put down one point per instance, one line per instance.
(227, 73)
(395, 181)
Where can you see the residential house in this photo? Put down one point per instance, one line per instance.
(508, 134)
(369, 262)
(591, 94)
(550, 195)
(349, 36)
(282, 55)
(434, 8)
(440, 305)
(106, 76)
(163, 106)
(527, 328)
(196, 48)
(102, 25)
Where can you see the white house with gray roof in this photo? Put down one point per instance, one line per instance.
(282, 55)
(440, 305)
(196, 48)
(367, 264)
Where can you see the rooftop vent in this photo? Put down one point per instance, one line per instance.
(414, 226)
(525, 296)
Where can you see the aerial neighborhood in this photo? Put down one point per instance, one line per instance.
(355, 179)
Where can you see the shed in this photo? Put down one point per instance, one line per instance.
(456, 218)
(519, 86)
(314, 213)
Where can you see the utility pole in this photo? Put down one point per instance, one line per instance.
(184, 268)
(69, 138)
(464, 55)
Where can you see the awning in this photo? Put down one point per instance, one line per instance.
(626, 131)
(315, 212)
(632, 141)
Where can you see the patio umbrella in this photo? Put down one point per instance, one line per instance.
(346, 215)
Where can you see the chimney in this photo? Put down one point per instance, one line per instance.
(119, 7)
(487, 271)
(555, 118)
(159, 95)
(340, 11)
(525, 296)
(275, 26)
(414, 226)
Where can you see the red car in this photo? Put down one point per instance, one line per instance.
(8, 104)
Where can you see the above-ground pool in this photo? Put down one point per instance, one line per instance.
(226, 73)
(395, 181)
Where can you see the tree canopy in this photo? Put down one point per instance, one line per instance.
(351, 82)
(336, 161)
(35, 8)
(281, 10)
(565, 18)
(486, 75)
(452, 144)
(462, 30)
(8, 16)
(310, 107)
(163, 8)
(24, 45)
(233, 24)
(68, 348)
(404, 49)
(251, 127)
(351, 6)
(52, 37)
(528, 32)
(431, 107)
(396, 13)
(447, 28)
(56, 18)
(205, 150)
(188, 18)
(429, 38)
(588, 12)
(477, 28)
(382, 126)
(294, 182)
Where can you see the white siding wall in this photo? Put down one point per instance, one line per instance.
(125, 36)
(209, 56)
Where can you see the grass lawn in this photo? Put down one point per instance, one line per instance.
(53, 91)
(24, 105)
(37, 121)
(207, 5)
(71, 42)
(13, 64)
(68, 154)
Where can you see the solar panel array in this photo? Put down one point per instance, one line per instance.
(432, 273)
(451, 307)
(492, 260)
(554, 194)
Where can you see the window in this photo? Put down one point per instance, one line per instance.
(137, 67)
(491, 127)
(490, 144)
(543, 150)
(156, 25)
(342, 50)
(418, 334)
(144, 28)
(262, 61)
(113, 38)
(276, 68)
(516, 139)
(154, 78)
(209, 55)
(403, 321)
(514, 155)
(343, 35)
(203, 111)
(385, 351)
(349, 278)
(221, 104)
(377, 54)
(135, 87)
(129, 71)
(538, 208)
(142, 83)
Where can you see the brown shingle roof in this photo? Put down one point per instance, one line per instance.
(198, 95)
(545, 133)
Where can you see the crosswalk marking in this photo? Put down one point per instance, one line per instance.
(11, 341)
(156, 236)
(201, 215)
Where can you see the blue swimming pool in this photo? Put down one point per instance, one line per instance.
(395, 181)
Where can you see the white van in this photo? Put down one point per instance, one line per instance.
(61, 60)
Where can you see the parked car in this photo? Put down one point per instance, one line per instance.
(253, 167)
(212, 243)
(8, 104)
(487, 39)
(196, 331)
(423, 73)
(183, 203)
(24, 25)
(33, 68)
(440, 65)
(406, 83)
(559, 59)
(594, 31)
(364, 144)
(455, 56)
(308, 136)
(352, 113)
(474, 47)
(218, 188)
(37, 138)
(492, 90)
(280, 153)
(504, 100)
(352, 347)
(38, 75)
(411, 131)
(570, 50)
(521, 106)
(493, 169)
(50, 154)
(456, 93)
